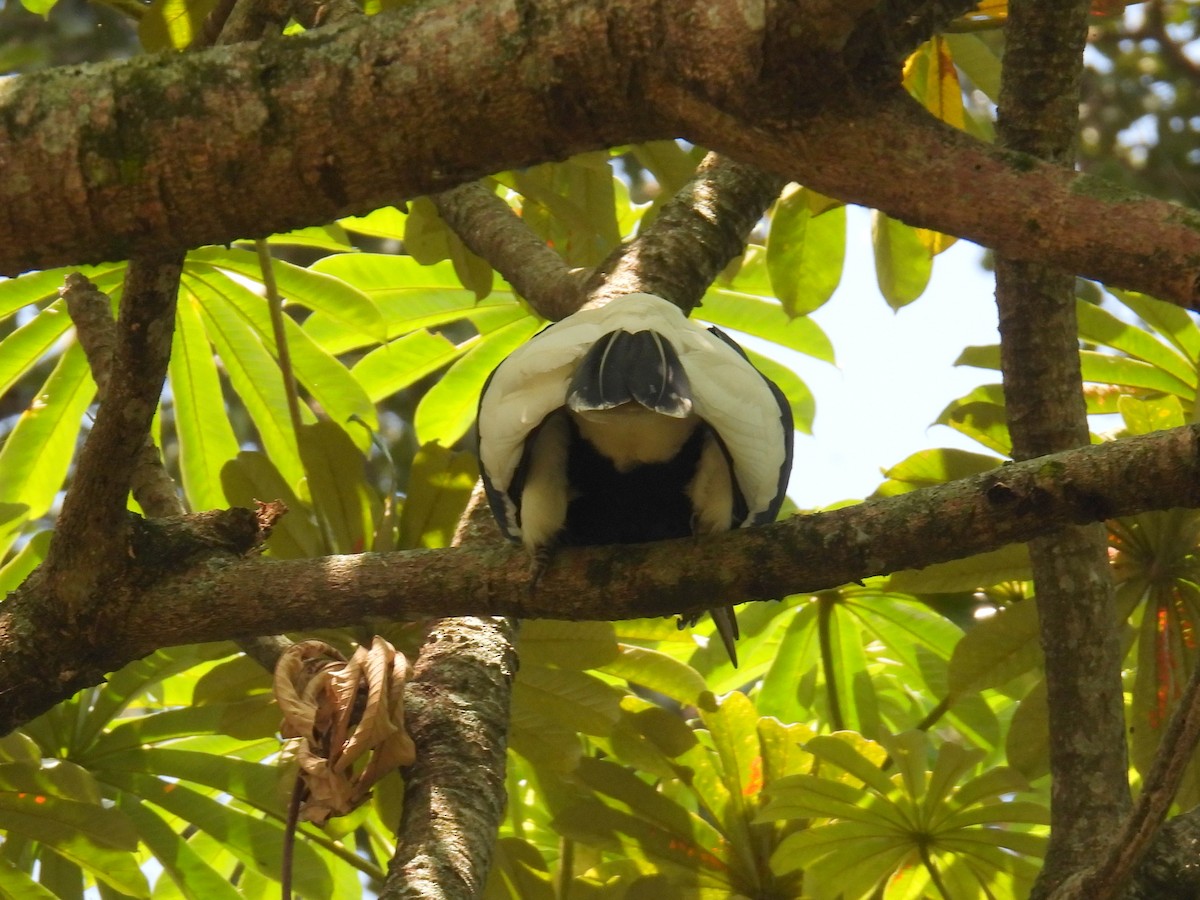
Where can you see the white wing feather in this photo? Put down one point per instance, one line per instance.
(727, 390)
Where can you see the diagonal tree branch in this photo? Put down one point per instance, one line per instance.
(457, 708)
(102, 148)
(176, 597)
(1043, 390)
(699, 232)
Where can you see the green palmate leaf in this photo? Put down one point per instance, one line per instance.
(1096, 324)
(251, 476)
(799, 397)
(1145, 416)
(387, 222)
(1103, 368)
(518, 873)
(448, 409)
(331, 298)
(39, 449)
(568, 645)
(402, 362)
(545, 743)
(98, 840)
(74, 727)
(763, 318)
(572, 206)
(643, 800)
(657, 672)
(1028, 745)
(250, 719)
(1108, 369)
(648, 737)
(978, 61)
(439, 486)
(733, 727)
(1010, 563)
(195, 878)
(254, 374)
(788, 686)
(901, 625)
(22, 564)
(407, 294)
(980, 417)
(205, 436)
(19, 886)
(1172, 322)
(783, 749)
(255, 784)
(805, 796)
(343, 501)
(928, 467)
(27, 345)
(578, 700)
(256, 842)
(845, 672)
(340, 397)
(26, 290)
(996, 650)
(173, 24)
(805, 252)
(332, 238)
(903, 263)
(854, 755)
(594, 822)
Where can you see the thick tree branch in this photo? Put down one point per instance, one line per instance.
(1043, 390)
(91, 539)
(1133, 840)
(457, 713)
(489, 228)
(244, 597)
(90, 310)
(695, 235)
(101, 160)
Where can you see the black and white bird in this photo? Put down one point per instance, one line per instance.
(629, 423)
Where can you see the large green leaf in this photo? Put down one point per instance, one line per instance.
(340, 397)
(448, 408)
(205, 436)
(21, 350)
(332, 298)
(97, 839)
(997, 650)
(1171, 321)
(439, 485)
(39, 449)
(763, 318)
(254, 375)
(344, 502)
(195, 878)
(400, 363)
(1096, 324)
(805, 252)
(17, 885)
(903, 263)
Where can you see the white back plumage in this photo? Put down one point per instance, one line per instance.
(727, 391)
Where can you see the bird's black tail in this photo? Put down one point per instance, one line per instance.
(624, 367)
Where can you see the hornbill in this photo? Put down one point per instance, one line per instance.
(628, 423)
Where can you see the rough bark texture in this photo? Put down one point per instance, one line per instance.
(457, 713)
(697, 234)
(104, 161)
(1079, 629)
(181, 598)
